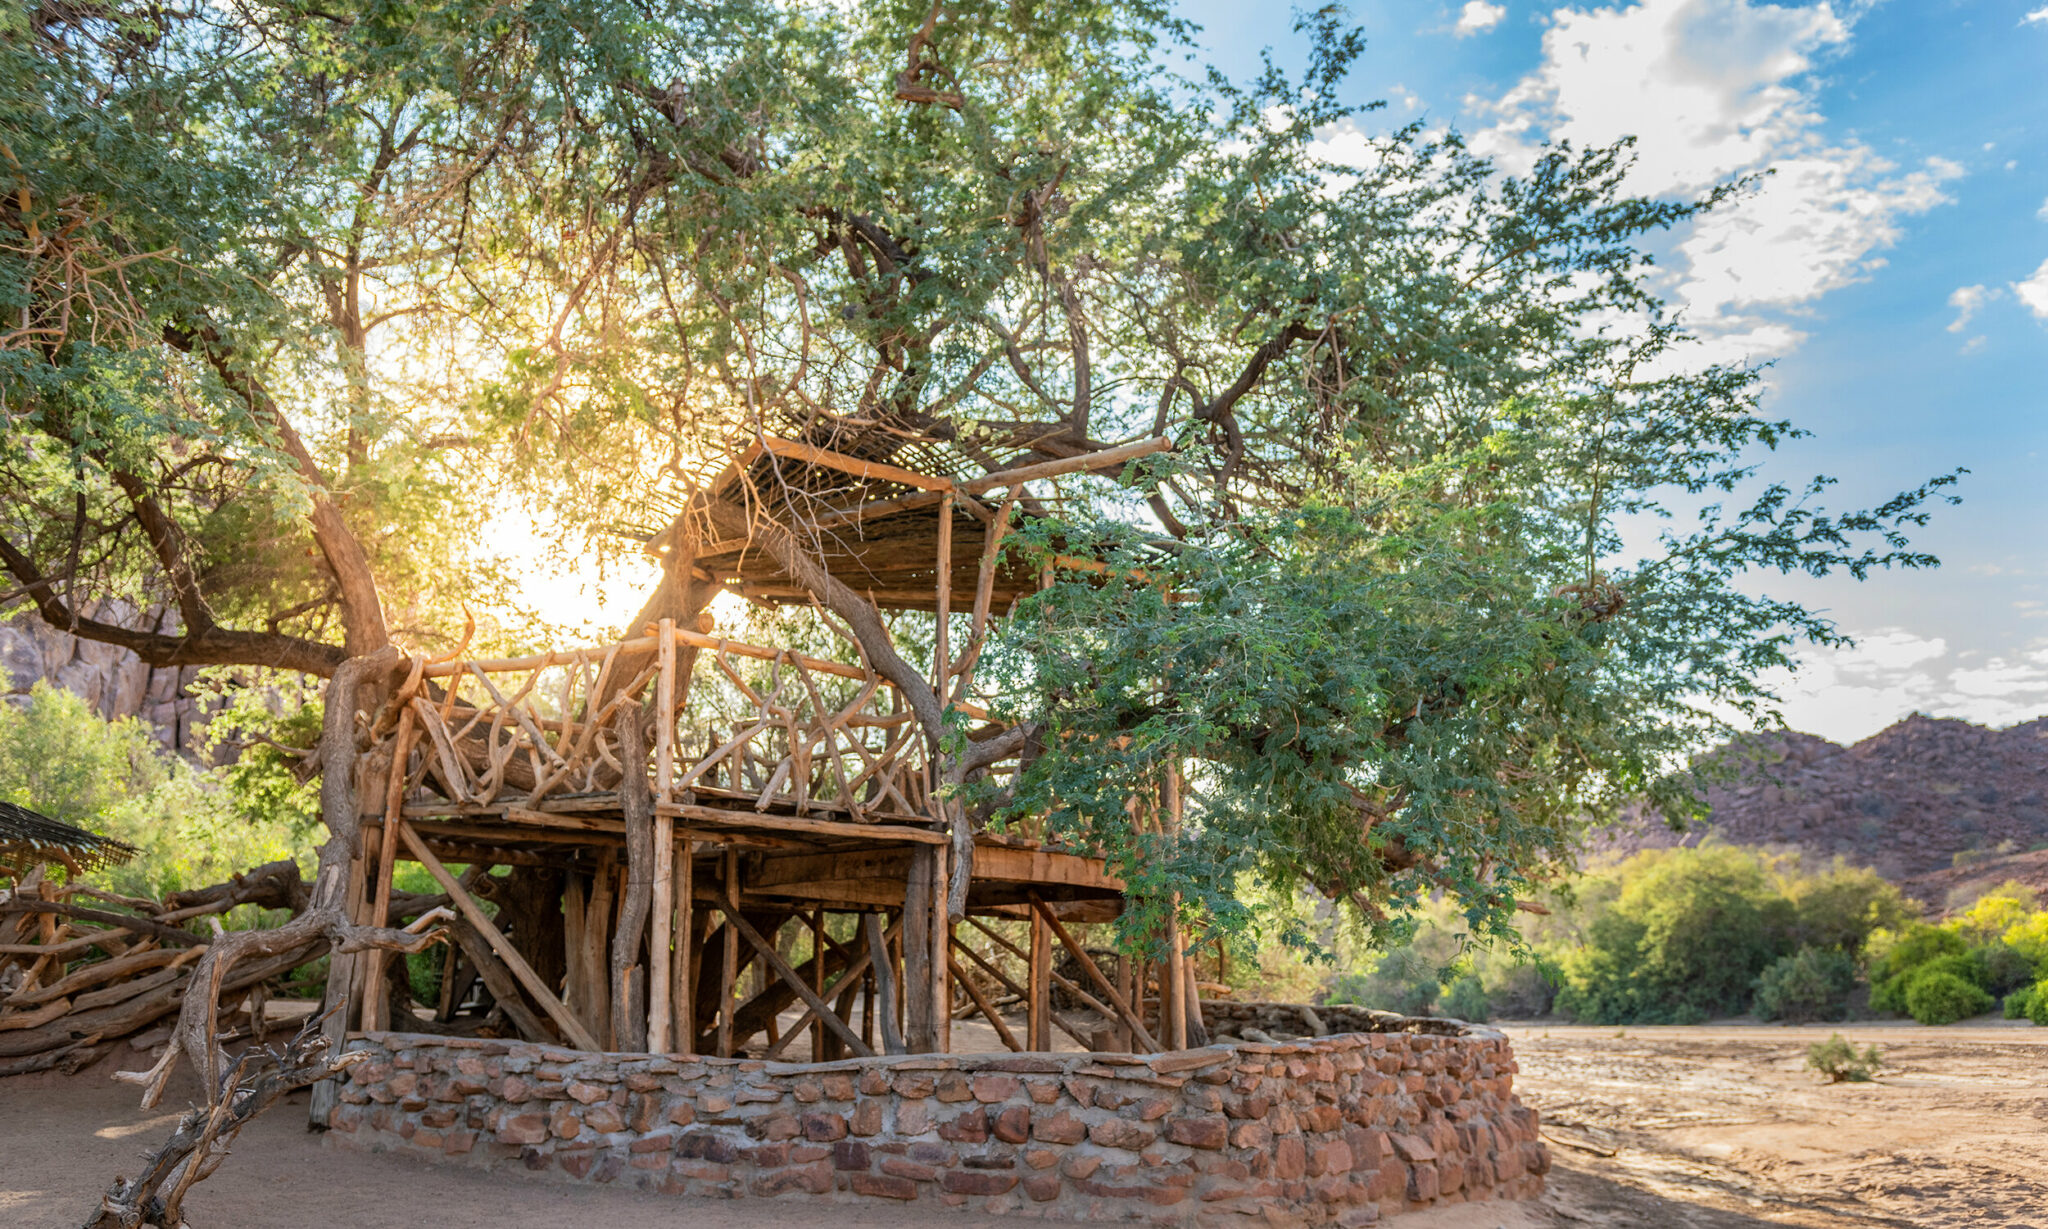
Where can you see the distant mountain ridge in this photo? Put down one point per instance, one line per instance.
(1904, 801)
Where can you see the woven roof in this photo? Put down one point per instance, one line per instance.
(27, 839)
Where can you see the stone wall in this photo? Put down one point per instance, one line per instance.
(1344, 1128)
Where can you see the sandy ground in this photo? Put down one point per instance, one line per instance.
(1723, 1128)
(1687, 1128)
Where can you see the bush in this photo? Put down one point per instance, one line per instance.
(2037, 1005)
(1894, 951)
(1842, 906)
(1684, 941)
(1836, 1059)
(2017, 1002)
(1465, 999)
(1939, 997)
(1811, 984)
(2005, 967)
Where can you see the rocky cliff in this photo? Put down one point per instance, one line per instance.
(114, 681)
(1904, 801)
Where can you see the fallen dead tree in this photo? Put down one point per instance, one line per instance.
(83, 969)
(204, 1134)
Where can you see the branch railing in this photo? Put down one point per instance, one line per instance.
(740, 725)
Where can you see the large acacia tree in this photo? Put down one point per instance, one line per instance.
(294, 294)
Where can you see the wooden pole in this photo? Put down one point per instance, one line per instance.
(684, 1013)
(818, 1030)
(730, 972)
(882, 994)
(941, 957)
(920, 1032)
(375, 1006)
(1052, 923)
(660, 961)
(1039, 982)
(1173, 989)
(1125, 1038)
(941, 656)
(570, 1026)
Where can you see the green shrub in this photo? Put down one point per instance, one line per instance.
(2038, 1004)
(1842, 906)
(1836, 1059)
(2017, 1002)
(1684, 941)
(1465, 999)
(1811, 984)
(1895, 951)
(1939, 997)
(2005, 967)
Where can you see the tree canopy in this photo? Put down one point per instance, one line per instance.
(295, 297)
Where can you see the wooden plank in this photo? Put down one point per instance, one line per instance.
(818, 1032)
(811, 998)
(499, 979)
(1042, 866)
(804, 824)
(884, 994)
(570, 1026)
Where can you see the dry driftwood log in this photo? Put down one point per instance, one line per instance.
(201, 1140)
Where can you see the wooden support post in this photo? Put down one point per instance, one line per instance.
(375, 1004)
(941, 955)
(571, 1028)
(1051, 921)
(1126, 1040)
(818, 1029)
(576, 978)
(882, 993)
(920, 1029)
(660, 960)
(1038, 982)
(859, 969)
(942, 659)
(681, 986)
(730, 972)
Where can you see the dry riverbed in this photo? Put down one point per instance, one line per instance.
(1667, 1128)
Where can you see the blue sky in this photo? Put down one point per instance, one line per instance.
(1894, 269)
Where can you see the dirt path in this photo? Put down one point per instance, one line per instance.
(1723, 1128)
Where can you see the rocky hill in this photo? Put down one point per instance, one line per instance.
(115, 682)
(1905, 801)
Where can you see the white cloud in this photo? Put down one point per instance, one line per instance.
(2042, 212)
(2039, 17)
(2034, 291)
(1713, 90)
(1477, 17)
(1968, 301)
(1850, 694)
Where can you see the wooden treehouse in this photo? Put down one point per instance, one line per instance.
(720, 847)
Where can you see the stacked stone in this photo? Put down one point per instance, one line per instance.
(1340, 1129)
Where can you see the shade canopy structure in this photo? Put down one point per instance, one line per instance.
(28, 839)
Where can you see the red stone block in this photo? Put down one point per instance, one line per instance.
(1042, 1187)
(910, 1171)
(1012, 1125)
(883, 1186)
(1206, 1132)
(977, 1182)
(823, 1128)
(1059, 1128)
(1422, 1182)
(814, 1179)
(990, 1089)
(1290, 1158)
(523, 1129)
(1122, 1133)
